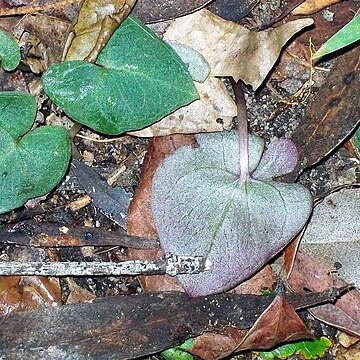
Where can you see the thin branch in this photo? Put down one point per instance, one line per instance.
(171, 265)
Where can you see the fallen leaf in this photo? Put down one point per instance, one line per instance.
(125, 327)
(49, 36)
(233, 10)
(125, 90)
(342, 38)
(233, 50)
(312, 274)
(112, 202)
(161, 10)
(140, 221)
(214, 111)
(97, 20)
(201, 208)
(312, 6)
(333, 234)
(332, 115)
(278, 323)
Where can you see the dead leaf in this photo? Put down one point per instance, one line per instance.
(140, 221)
(77, 293)
(214, 111)
(125, 327)
(312, 6)
(150, 11)
(24, 293)
(278, 323)
(233, 50)
(233, 10)
(96, 22)
(324, 29)
(47, 36)
(311, 274)
(332, 115)
(333, 234)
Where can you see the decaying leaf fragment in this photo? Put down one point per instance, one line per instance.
(214, 111)
(312, 6)
(97, 21)
(333, 234)
(201, 207)
(230, 49)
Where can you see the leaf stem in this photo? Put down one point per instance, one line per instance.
(244, 174)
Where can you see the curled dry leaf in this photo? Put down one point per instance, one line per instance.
(231, 49)
(312, 6)
(214, 111)
(97, 20)
(278, 323)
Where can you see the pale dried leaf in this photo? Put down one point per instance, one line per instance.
(213, 112)
(312, 6)
(231, 49)
(96, 22)
(333, 234)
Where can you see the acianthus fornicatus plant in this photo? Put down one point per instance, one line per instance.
(220, 201)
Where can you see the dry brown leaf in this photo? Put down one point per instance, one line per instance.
(312, 6)
(230, 49)
(140, 221)
(96, 22)
(310, 273)
(42, 38)
(214, 111)
(279, 323)
(23, 293)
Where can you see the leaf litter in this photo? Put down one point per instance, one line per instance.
(155, 236)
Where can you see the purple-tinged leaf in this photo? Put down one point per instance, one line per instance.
(201, 207)
(280, 158)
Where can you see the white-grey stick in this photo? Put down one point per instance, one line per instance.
(170, 264)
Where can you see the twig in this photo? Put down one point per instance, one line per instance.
(30, 9)
(171, 265)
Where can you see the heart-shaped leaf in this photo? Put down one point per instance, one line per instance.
(137, 80)
(9, 52)
(31, 162)
(201, 207)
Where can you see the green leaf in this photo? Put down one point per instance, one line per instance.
(137, 80)
(179, 352)
(345, 36)
(31, 162)
(308, 349)
(9, 52)
(201, 207)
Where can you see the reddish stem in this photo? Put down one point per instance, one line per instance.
(244, 174)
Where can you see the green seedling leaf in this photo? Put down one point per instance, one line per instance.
(201, 207)
(137, 80)
(9, 52)
(344, 37)
(31, 162)
(179, 352)
(308, 349)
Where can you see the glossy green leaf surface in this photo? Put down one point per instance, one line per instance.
(9, 52)
(201, 207)
(309, 350)
(137, 80)
(31, 162)
(344, 37)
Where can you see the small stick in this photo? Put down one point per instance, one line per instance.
(170, 264)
